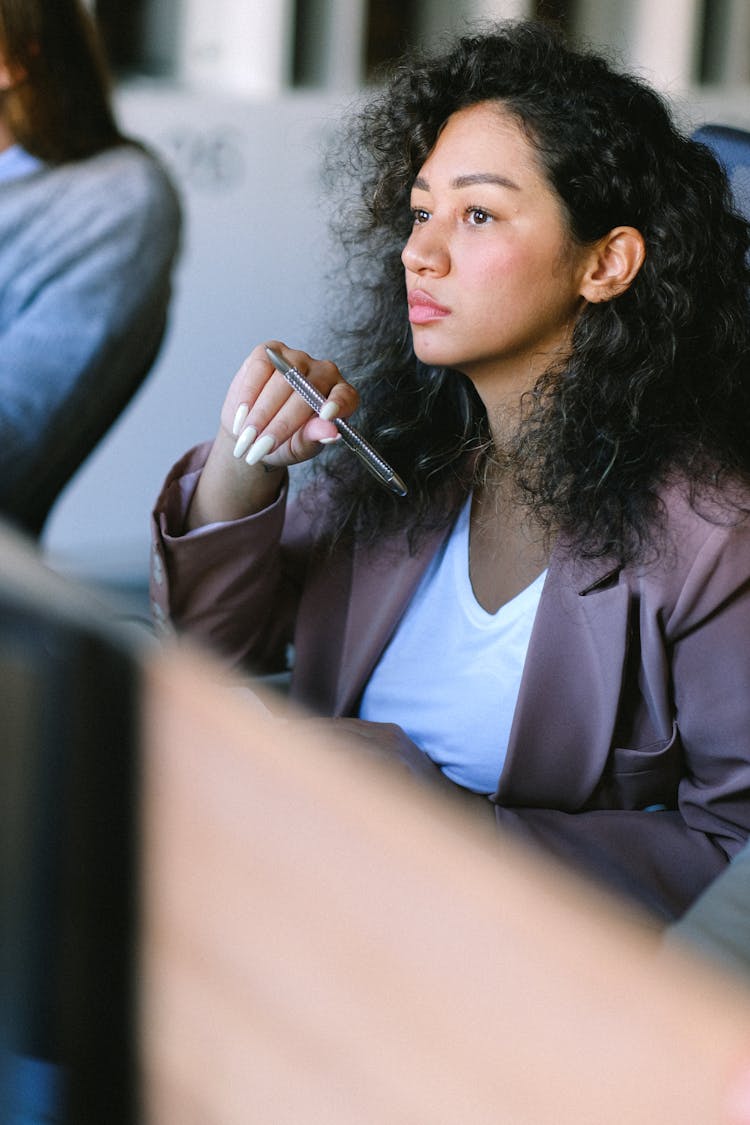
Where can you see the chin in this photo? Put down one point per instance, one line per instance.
(436, 357)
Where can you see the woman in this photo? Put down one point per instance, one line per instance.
(89, 228)
(552, 347)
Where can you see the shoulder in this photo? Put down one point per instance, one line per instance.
(707, 519)
(122, 205)
(142, 169)
(703, 557)
(131, 175)
(125, 186)
(698, 559)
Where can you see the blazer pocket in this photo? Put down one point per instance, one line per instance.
(643, 776)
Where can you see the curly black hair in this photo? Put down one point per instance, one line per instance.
(657, 385)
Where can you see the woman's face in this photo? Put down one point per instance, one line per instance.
(493, 278)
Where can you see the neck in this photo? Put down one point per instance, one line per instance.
(504, 417)
(502, 388)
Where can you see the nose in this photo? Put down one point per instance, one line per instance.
(426, 250)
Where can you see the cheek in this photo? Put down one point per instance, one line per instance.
(520, 285)
(512, 257)
(492, 268)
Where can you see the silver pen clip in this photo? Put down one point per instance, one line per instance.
(315, 400)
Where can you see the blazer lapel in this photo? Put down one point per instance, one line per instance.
(570, 689)
(383, 581)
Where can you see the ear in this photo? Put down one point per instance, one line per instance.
(614, 262)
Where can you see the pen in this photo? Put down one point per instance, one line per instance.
(314, 399)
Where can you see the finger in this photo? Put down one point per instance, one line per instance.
(306, 442)
(320, 431)
(244, 390)
(279, 421)
(258, 391)
(254, 410)
(341, 397)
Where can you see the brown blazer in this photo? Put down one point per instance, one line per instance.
(630, 747)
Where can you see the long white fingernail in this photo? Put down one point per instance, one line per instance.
(245, 440)
(329, 411)
(239, 419)
(259, 449)
(328, 440)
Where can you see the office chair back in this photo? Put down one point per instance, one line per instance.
(732, 148)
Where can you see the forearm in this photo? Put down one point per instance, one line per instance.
(230, 489)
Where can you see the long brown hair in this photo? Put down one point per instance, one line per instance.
(60, 109)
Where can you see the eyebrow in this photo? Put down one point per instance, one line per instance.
(472, 178)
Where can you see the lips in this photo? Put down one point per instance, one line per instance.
(423, 309)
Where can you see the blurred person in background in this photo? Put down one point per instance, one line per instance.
(89, 232)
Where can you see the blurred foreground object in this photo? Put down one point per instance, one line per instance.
(236, 920)
(324, 942)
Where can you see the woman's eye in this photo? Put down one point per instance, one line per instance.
(478, 217)
(419, 215)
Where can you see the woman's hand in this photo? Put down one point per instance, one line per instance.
(265, 427)
(269, 421)
(383, 742)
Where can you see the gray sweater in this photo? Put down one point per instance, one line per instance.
(86, 256)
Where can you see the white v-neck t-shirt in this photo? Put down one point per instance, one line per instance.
(451, 673)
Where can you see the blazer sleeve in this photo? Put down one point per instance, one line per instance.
(233, 587)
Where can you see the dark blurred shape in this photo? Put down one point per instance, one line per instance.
(121, 29)
(68, 776)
